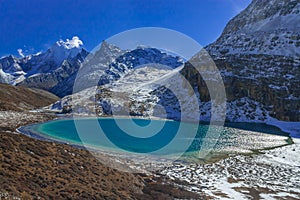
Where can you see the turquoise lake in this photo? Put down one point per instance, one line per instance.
(169, 137)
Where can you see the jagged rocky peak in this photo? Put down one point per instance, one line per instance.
(107, 46)
(106, 52)
(265, 27)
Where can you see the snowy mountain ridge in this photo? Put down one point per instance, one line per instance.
(15, 70)
(56, 69)
(109, 63)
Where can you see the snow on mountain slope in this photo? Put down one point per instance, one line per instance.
(141, 75)
(85, 101)
(264, 27)
(60, 78)
(10, 69)
(110, 63)
(54, 56)
(118, 76)
(44, 70)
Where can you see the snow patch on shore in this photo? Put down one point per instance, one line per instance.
(273, 174)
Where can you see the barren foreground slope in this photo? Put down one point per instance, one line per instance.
(31, 168)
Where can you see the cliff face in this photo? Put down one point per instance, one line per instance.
(258, 55)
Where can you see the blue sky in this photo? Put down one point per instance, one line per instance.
(34, 25)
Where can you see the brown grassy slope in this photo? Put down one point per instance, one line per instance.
(31, 168)
(20, 98)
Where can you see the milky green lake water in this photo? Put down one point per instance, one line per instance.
(170, 137)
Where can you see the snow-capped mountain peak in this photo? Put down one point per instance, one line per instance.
(45, 69)
(62, 50)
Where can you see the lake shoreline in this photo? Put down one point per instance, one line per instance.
(213, 157)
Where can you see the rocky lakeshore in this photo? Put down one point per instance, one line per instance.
(270, 174)
(34, 169)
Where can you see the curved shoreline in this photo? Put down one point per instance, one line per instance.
(35, 134)
(22, 130)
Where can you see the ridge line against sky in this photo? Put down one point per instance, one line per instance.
(31, 26)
